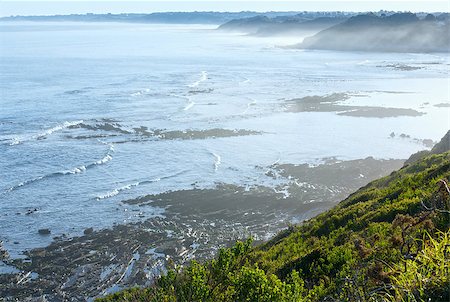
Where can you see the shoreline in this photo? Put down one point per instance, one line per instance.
(197, 222)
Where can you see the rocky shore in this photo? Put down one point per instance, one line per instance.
(196, 223)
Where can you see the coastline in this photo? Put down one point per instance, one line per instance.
(195, 225)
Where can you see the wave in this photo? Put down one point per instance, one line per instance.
(26, 182)
(15, 141)
(245, 81)
(365, 62)
(57, 128)
(275, 163)
(20, 139)
(217, 161)
(249, 105)
(203, 77)
(105, 158)
(76, 170)
(189, 105)
(116, 191)
(140, 92)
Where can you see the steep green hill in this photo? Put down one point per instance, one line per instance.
(389, 241)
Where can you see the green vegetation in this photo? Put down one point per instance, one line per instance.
(389, 241)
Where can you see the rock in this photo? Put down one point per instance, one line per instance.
(44, 232)
(3, 252)
(441, 147)
(88, 231)
(31, 211)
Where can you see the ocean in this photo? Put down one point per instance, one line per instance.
(94, 114)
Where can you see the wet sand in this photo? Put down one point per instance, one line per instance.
(196, 223)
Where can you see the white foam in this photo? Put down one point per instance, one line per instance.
(217, 161)
(189, 105)
(203, 77)
(249, 105)
(140, 92)
(245, 81)
(57, 128)
(76, 170)
(23, 183)
(116, 191)
(284, 191)
(277, 161)
(104, 160)
(15, 141)
(365, 62)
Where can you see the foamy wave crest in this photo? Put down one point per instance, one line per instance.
(189, 105)
(116, 191)
(26, 182)
(76, 170)
(20, 139)
(57, 128)
(15, 141)
(140, 92)
(217, 161)
(276, 162)
(365, 62)
(249, 105)
(244, 81)
(203, 77)
(108, 157)
(104, 160)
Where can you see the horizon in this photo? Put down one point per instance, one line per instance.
(48, 8)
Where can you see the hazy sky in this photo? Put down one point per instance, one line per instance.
(35, 7)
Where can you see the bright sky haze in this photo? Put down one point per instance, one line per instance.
(8, 8)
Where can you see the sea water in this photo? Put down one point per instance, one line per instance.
(92, 114)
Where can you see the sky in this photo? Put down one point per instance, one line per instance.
(35, 7)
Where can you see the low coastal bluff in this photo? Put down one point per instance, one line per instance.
(400, 32)
(388, 241)
(299, 24)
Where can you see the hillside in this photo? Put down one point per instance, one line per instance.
(386, 242)
(300, 24)
(400, 32)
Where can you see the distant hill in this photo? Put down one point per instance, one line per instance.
(400, 32)
(308, 22)
(166, 17)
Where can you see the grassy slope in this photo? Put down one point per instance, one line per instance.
(379, 244)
